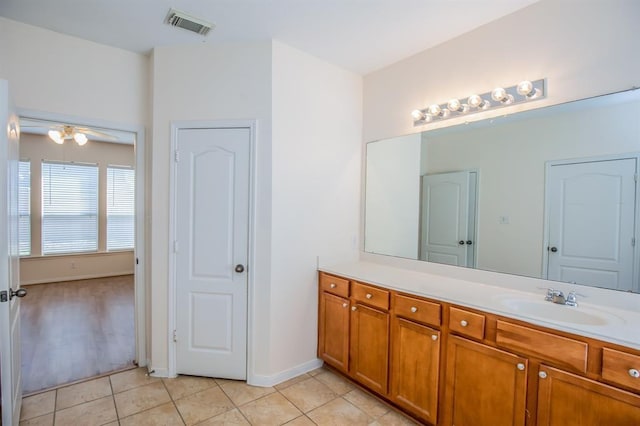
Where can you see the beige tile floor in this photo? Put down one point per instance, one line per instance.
(133, 398)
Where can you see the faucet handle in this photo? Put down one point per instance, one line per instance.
(572, 299)
(549, 295)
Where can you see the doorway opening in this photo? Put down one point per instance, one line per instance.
(81, 226)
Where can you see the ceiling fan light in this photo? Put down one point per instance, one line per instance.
(56, 136)
(80, 138)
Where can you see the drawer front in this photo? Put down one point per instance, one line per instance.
(371, 296)
(621, 368)
(467, 323)
(546, 346)
(417, 310)
(334, 285)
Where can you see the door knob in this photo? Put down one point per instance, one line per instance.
(461, 242)
(553, 249)
(239, 268)
(21, 292)
(469, 242)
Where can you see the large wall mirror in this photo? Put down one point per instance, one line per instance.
(548, 193)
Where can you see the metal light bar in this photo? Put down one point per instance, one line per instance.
(525, 91)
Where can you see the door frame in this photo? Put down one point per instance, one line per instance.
(176, 126)
(547, 205)
(140, 286)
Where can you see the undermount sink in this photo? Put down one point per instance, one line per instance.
(561, 313)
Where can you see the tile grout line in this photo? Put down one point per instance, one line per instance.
(173, 401)
(113, 398)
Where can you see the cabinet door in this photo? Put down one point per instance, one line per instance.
(415, 360)
(370, 347)
(565, 399)
(484, 386)
(333, 331)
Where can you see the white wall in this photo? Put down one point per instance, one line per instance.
(392, 198)
(66, 75)
(583, 48)
(583, 51)
(209, 82)
(317, 137)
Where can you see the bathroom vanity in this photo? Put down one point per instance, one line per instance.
(449, 351)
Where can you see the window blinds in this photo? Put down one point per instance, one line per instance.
(69, 207)
(120, 208)
(24, 208)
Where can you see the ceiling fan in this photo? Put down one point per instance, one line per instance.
(68, 133)
(59, 132)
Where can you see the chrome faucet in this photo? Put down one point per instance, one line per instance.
(557, 296)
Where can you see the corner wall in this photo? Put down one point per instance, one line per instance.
(317, 122)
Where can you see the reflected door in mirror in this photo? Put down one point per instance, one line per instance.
(592, 222)
(448, 218)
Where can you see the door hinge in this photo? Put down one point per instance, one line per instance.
(635, 177)
(137, 261)
(4, 296)
(175, 337)
(633, 241)
(175, 246)
(176, 155)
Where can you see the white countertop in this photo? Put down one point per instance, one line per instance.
(622, 325)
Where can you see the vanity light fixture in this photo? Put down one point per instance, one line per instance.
(499, 97)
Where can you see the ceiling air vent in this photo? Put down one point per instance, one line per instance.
(179, 19)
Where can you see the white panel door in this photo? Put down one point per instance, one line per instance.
(592, 222)
(211, 223)
(10, 366)
(445, 218)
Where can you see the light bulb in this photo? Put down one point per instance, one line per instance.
(80, 138)
(435, 110)
(56, 136)
(525, 88)
(476, 101)
(417, 115)
(454, 105)
(498, 94)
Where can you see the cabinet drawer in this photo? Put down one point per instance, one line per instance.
(417, 310)
(371, 296)
(621, 368)
(546, 346)
(335, 285)
(467, 323)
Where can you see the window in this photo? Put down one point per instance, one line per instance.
(24, 208)
(69, 207)
(120, 208)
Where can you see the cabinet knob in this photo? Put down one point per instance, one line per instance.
(344, 305)
(542, 375)
(634, 373)
(414, 309)
(464, 323)
(353, 308)
(520, 366)
(332, 285)
(434, 337)
(369, 296)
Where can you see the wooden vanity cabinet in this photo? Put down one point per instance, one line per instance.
(415, 355)
(484, 385)
(451, 365)
(370, 337)
(566, 399)
(333, 322)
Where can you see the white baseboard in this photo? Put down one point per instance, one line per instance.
(267, 381)
(159, 372)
